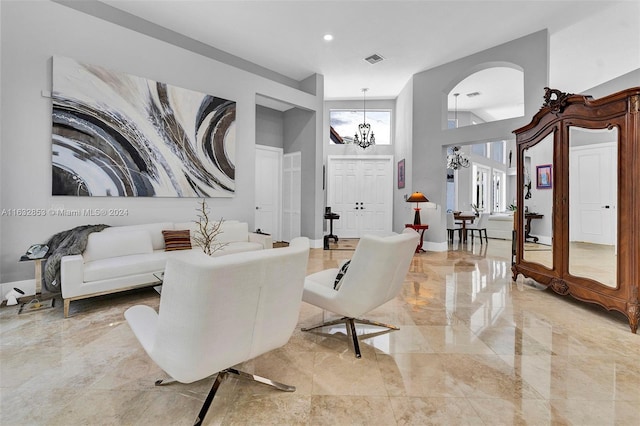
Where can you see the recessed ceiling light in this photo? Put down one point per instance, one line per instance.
(327, 37)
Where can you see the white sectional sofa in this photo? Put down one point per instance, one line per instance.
(500, 225)
(125, 257)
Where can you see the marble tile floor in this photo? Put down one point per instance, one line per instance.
(473, 348)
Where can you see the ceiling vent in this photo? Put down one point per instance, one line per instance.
(473, 94)
(374, 59)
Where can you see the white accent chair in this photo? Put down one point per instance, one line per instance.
(452, 227)
(375, 275)
(221, 311)
(481, 226)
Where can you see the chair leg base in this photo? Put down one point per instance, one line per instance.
(351, 329)
(164, 382)
(263, 380)
(216, 384)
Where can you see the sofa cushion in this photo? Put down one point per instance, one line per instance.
(153, 229)
(176, 240)
(233, 231)
(114, 267)
(104, 245)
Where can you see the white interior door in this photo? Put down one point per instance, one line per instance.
(360, 190)
(268, 187)
(291, 196)
(593, 194)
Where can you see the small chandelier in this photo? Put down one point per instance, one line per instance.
(364, 138)
(457, 159)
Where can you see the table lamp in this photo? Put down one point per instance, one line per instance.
(417, 197)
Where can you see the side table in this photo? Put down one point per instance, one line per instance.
(527, 226)
(420, 229)
(331, 217)
(38, 271)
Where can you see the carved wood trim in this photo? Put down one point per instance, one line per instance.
(634, 104)
(560, 286)
(555, 100)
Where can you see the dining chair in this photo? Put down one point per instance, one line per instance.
(217, 312)
(452, 227)
(374, 276)
(481, 226)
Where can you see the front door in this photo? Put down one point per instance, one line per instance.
(360, 190)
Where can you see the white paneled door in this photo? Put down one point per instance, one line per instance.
(593, 194)
(360, 190)
(268, 186)
(291, 196)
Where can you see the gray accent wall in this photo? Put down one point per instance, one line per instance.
(32, 33)
(269, 127)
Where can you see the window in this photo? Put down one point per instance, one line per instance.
(344, 125)
(479, 149)
(480, 196)
(498, 191)
(496, 150)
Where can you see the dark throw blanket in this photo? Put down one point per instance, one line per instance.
(65, 243)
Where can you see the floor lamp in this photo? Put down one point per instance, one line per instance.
(417, 197)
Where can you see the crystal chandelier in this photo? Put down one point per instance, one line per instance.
(457, 159)
(364, 138)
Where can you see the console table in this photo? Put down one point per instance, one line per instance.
(420, 229)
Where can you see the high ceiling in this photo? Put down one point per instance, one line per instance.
(412, 36)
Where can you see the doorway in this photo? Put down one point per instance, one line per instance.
(593, 193)
(268, 190)
(360, 190)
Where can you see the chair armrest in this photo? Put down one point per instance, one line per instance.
(71, 275)
(264, 239)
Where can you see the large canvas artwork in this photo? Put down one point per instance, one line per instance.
(116, 134)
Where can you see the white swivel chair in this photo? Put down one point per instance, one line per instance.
(481, 226)
(218, 312)
(375, 275)
(452, 227)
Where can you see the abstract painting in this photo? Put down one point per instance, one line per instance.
(118, 135)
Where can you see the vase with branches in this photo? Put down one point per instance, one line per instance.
(208, 230)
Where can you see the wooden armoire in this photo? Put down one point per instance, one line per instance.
(579, 177)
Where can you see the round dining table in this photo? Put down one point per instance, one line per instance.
(462, 219)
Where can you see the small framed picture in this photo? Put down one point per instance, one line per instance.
(401, 174)
(544, 176)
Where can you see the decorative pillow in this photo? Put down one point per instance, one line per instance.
(177, 240)
(341, 273)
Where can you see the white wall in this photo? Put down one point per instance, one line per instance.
(34, 31)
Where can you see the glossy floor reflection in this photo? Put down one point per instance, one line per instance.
(473, 348)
